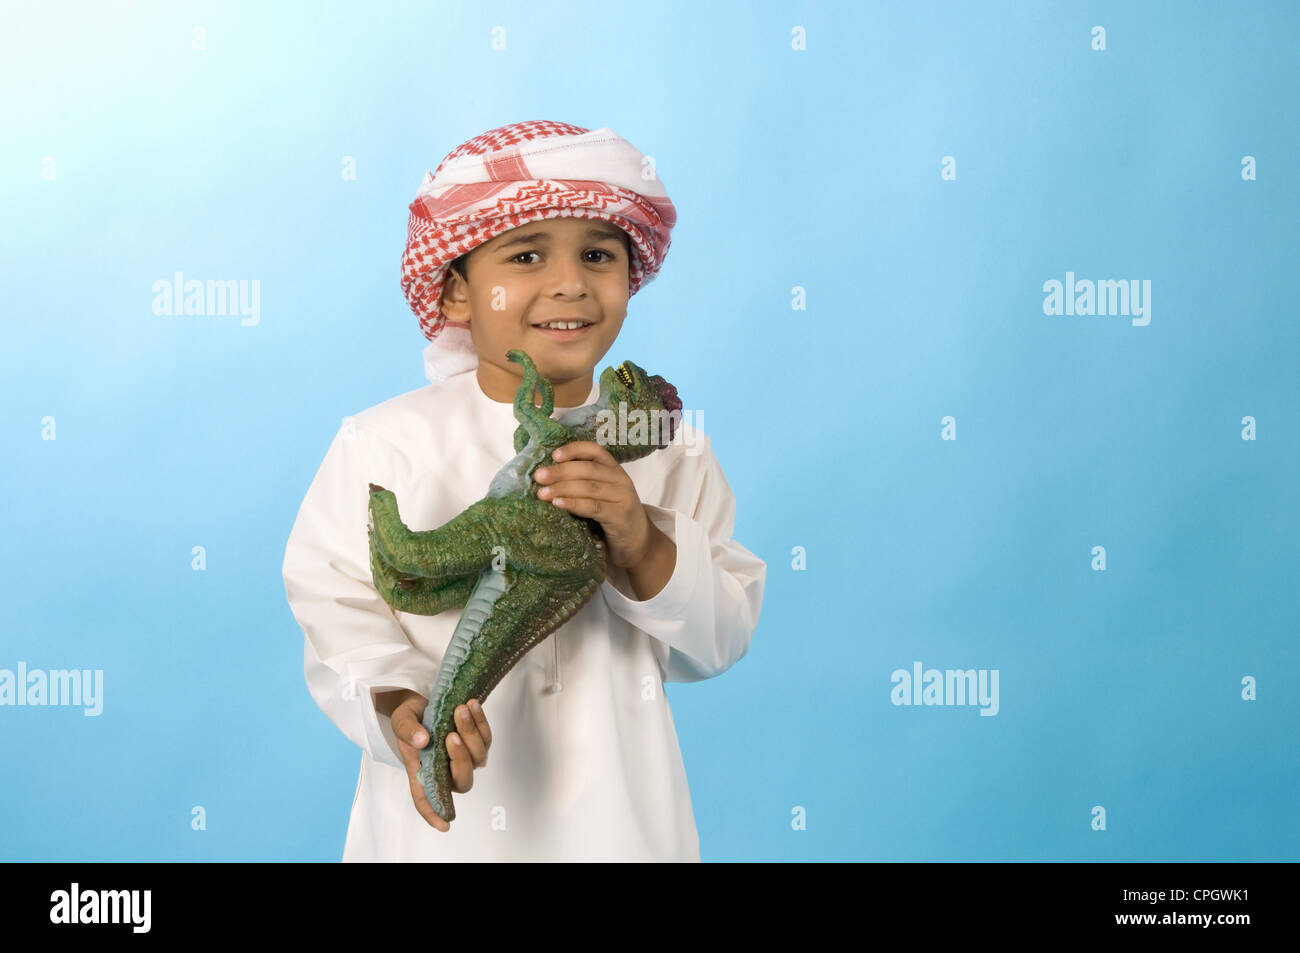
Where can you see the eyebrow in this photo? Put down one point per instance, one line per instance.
(542, 237)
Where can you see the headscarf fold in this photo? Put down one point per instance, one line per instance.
(511, 176)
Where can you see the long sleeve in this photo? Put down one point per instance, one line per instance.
(354, 645)
(702, 621)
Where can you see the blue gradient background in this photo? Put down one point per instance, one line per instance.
(819, 169)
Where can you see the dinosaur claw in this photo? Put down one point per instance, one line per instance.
(376, 488)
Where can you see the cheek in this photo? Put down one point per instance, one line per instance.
(613, 296)
(500, 297)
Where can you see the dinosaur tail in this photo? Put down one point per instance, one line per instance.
(508, 615)
(440, 714)
(532, 380)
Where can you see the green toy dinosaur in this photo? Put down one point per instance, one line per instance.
(519, 566)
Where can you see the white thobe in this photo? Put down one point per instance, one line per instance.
(584, 763)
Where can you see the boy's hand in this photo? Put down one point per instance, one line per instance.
(590, 482)
(405, 710)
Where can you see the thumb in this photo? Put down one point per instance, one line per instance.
(407, 727)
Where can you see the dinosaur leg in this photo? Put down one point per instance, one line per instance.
(460, 547)
(418, 595)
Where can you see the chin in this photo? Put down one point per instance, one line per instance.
(562, 360)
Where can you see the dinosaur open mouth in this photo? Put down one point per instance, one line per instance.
(624, 375)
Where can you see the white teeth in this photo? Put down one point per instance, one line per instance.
(565, 325)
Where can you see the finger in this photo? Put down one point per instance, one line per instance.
(421, 802)
(462, 768)
(480, 719)
(579, 470)
(411, 738)
(408, 728)
(587, 489)
(411, 758)
(603, 511)
(583, 450)
(467, 729)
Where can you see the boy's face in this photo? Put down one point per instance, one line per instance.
(558, 268)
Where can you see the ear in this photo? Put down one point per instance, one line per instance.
(455, 298)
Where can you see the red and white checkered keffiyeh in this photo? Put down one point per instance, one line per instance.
(511, 176)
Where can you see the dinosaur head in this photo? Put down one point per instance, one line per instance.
(630, 386)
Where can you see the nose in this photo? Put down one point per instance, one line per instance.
(567, 276)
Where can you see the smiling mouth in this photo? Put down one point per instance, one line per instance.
(575, 324)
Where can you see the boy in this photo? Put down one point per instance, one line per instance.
(524, 226)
